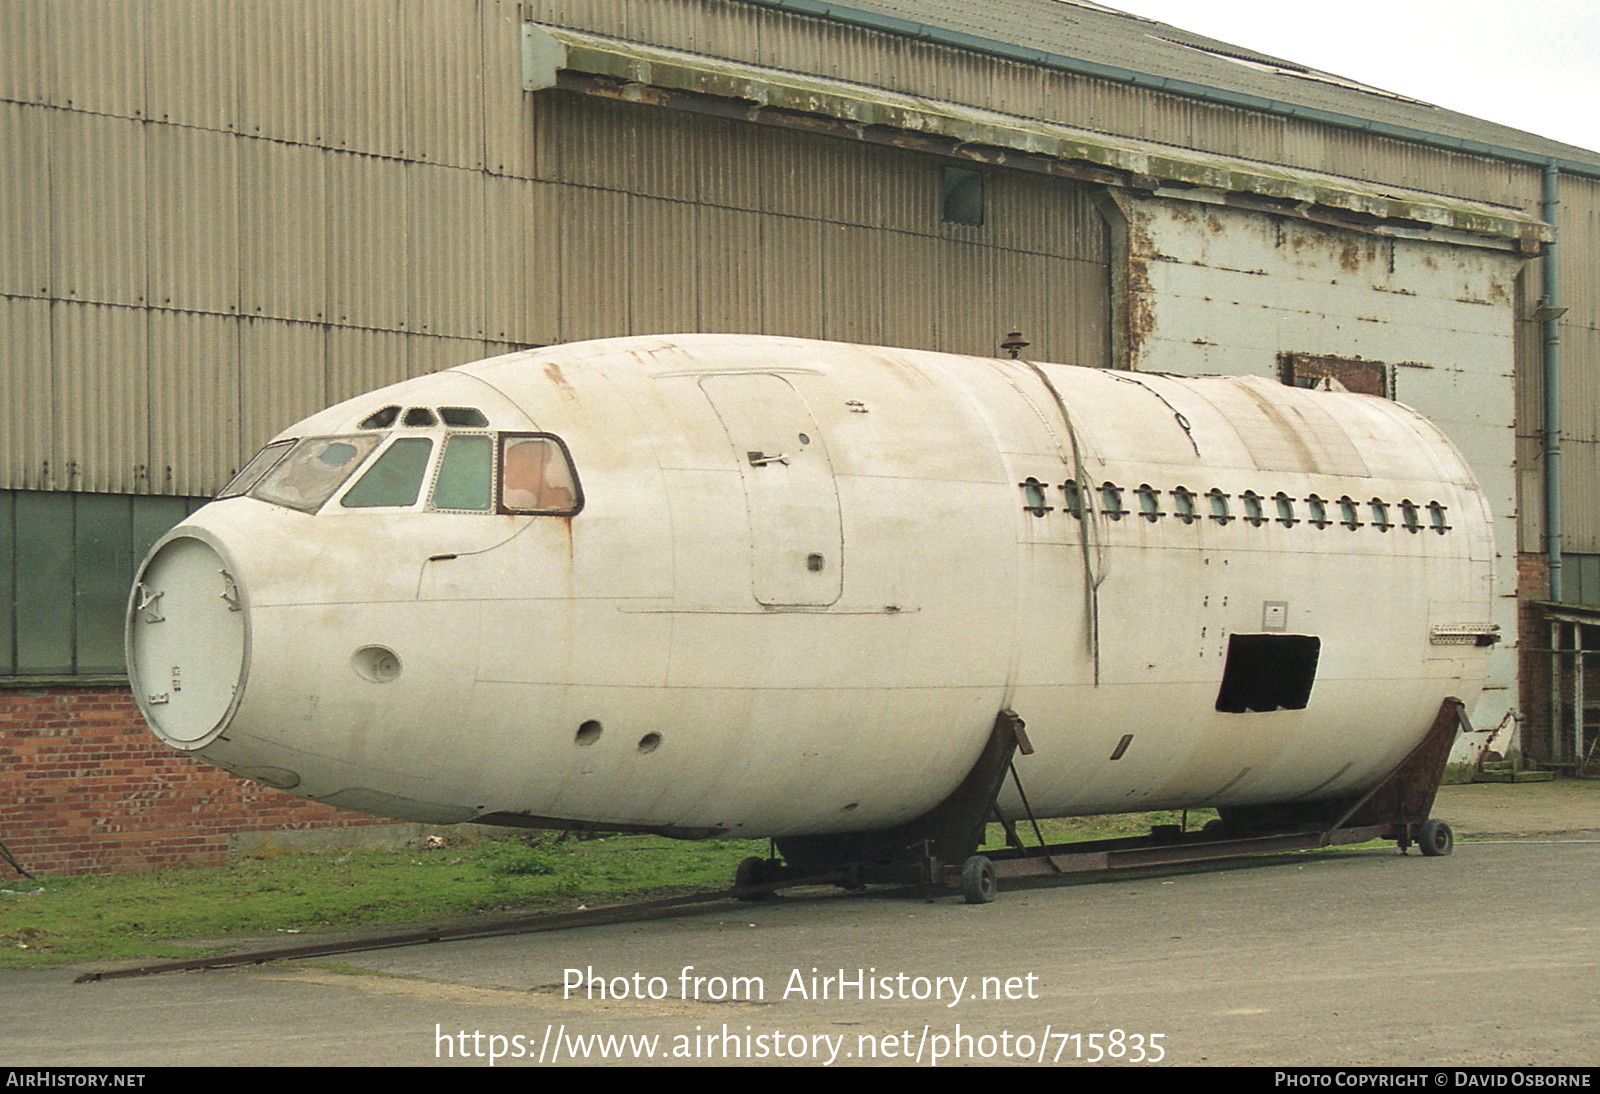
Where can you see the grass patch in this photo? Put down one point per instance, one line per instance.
(176, 914)
(128, 916)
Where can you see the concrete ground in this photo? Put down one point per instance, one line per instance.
(1490, 956)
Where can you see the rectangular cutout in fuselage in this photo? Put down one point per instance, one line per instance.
(1268, 672)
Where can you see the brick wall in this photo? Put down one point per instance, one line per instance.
(85, 787)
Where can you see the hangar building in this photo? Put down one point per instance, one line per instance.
(221, 217)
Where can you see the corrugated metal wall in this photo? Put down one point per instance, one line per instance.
(1579, 291)
(219, 218)
(227, 217)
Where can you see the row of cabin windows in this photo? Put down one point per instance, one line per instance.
(1253, 508)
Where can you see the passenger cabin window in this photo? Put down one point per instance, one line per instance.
(1252, 508)
(314, 471)
(465, 474)
(1347, 513)
(1410, 517)
(1183, 504)
(1285, 505)
(395, 478)
(1033, 497)
(1111, 501)
(536, 476)
(1149, 507)
(1219, 506)
(1074, 497)
(1380, 515)
(1436, 517)
(1319, 511)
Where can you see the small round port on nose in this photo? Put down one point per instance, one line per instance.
(376, 663)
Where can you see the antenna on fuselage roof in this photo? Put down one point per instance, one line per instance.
(1015, 344)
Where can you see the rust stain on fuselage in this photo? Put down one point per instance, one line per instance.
(554, 374)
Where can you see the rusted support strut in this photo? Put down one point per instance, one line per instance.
(1396, 808)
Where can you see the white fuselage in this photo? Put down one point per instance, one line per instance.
(797, 581)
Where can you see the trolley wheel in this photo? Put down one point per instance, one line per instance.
(753, 871)
(977, 880)
(1434, 838)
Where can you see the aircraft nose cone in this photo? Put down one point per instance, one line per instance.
(187, 633)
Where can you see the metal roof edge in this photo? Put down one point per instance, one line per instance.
(859, 107)
(1222, 96)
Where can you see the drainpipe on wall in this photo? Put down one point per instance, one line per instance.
(1550, 312)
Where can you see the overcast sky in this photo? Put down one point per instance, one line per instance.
(1532, 64)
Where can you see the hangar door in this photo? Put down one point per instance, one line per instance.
(796, 549)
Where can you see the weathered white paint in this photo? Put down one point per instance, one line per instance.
(1220, 290)
(658, 660)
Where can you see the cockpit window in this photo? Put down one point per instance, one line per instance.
(244, 480)
(309, 475)
(536, 476)
(420, 416)
(465, 472)
(395, 478)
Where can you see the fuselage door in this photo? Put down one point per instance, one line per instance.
(796, 549)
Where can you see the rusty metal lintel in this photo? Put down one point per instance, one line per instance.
(709, 104)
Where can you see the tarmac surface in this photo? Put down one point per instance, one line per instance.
(1490, 956)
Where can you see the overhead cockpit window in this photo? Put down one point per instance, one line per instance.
(467, 417)
(395, 478)
(381, 419)
(263, 462)
(420, 416)
(464, 475)
(536, 476)
(310, 475)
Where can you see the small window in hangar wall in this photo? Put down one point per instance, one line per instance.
(961, 195)
(1362, 377)
(66, 564)
(1580, 578)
